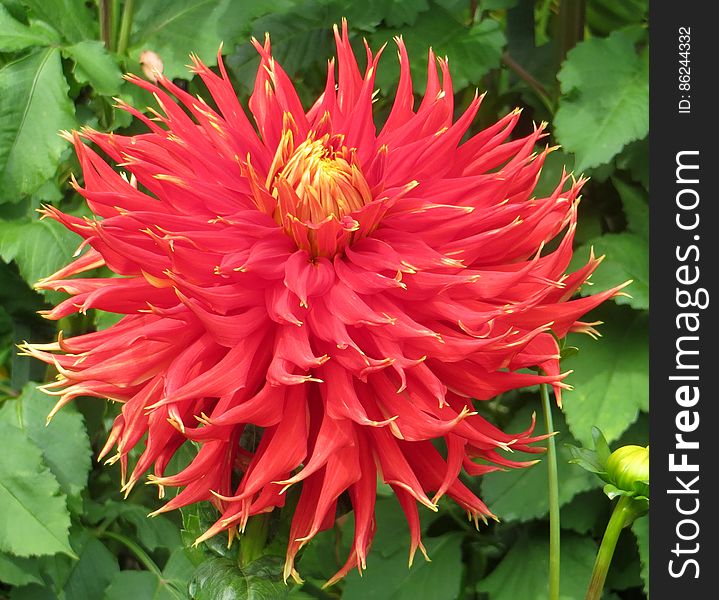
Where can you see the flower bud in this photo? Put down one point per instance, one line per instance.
(628, 469)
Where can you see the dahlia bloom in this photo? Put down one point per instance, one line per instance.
(346, 289)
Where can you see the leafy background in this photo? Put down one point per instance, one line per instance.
(581, 65)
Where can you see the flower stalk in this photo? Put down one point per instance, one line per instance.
(622, 515)
(106, 17)
(553, 481)
(125, 26)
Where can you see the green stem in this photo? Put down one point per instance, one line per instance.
(125, 26)
(143, 558)
(534, 84)
(105, 14)
(621, 515)
(253, 540)
(572, 15)
(553, 479)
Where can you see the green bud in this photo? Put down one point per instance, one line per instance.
(628, 469)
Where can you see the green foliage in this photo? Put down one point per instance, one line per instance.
(65, 530)
(529, 557)
(34, 519)
(63, 442)
(640, 528)
(390, 578)
(35, 106)
(610, 376)
(39, 248)
(506, 493)
(222, 578)
(606, 102)
(94, 65)
(175, 28)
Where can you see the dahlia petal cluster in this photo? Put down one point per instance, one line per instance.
(346, 290)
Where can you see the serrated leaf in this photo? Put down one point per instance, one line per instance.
(635, 207)
(34, 520)
(96, 66)
(640, 528)
(15, 570)
(523, 572)
(63, 442)
(223, 578)
(39, 248)
(391, 579)
(506, 492)
(605, 103)
(626, 256)
(35, 107)
(70, 17)
(610, 375)
(175, 28)
(16, 36)
(141, 585)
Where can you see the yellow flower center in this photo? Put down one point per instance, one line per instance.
(316, 180)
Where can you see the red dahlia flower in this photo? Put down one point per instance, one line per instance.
(348, 290)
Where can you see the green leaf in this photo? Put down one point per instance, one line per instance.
(640, 528)
(586, 459)
(33, 517)
(585, 512)
(601, 446)
(39, 248)
(70, 17)
(89, 576)
(152, 532)
(391, 579)
(223, 578)
(522, 573)
(179, 569)
(175, 28)
(401, 12)
(32, 592)
(35, 107)
(142, 585)
(604, 16)
(635, 206)
(610, 376)
(16, 36)
(472, 51)
(198, 518)
(624, 570)
(635, 159)
(15, 570)
(63, 442)
(606, 99)
(506, 493)
(96, 66)
(626, 257)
